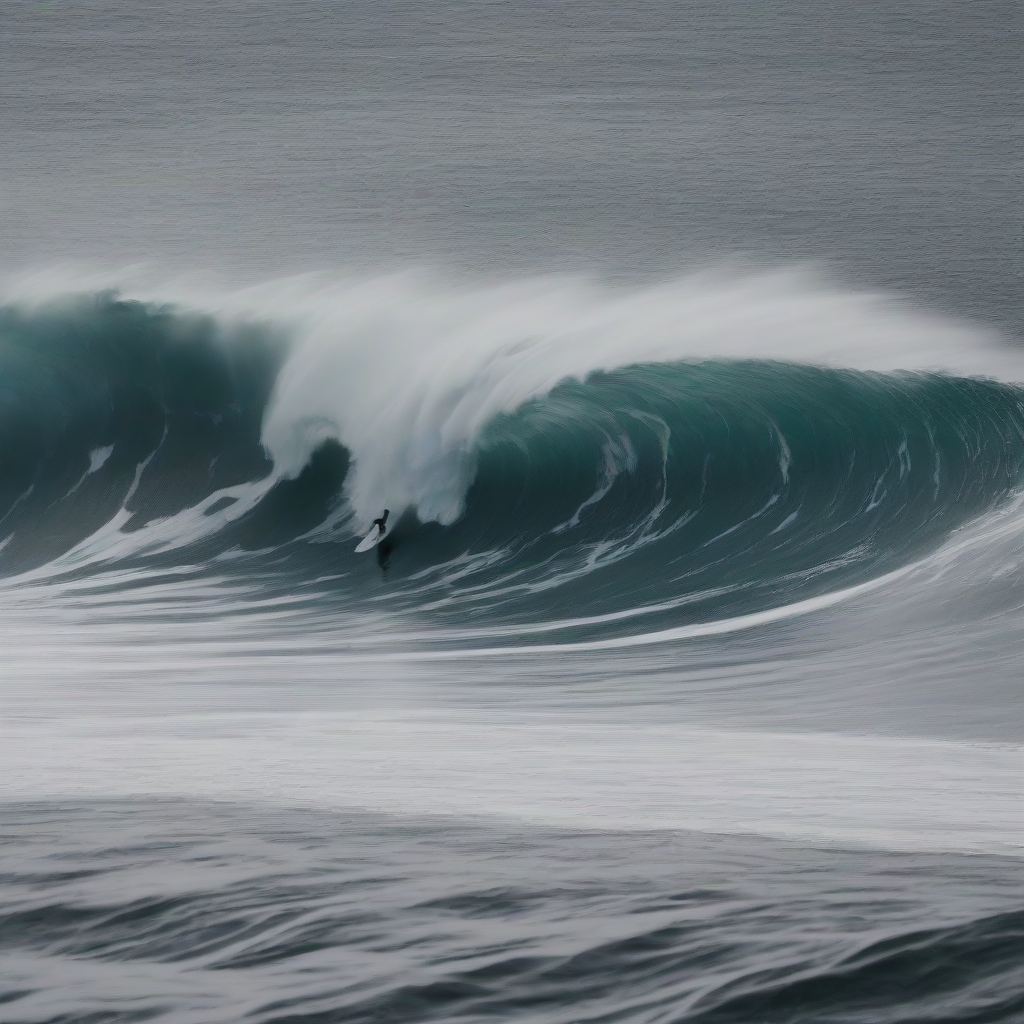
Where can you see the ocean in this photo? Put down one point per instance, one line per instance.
(684, 343)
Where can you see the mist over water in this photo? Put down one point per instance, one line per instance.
(683, 344)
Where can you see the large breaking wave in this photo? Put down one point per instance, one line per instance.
(552, 451)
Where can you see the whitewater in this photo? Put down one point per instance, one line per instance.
(684, 348)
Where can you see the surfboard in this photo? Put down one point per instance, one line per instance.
(371, 540)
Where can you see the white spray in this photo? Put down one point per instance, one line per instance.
(406, 371)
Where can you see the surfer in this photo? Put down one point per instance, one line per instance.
(375, 535)
(384, 547)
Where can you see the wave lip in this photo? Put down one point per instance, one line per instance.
(555, 448)
(407, 374)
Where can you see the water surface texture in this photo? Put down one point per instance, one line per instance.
(683, 342)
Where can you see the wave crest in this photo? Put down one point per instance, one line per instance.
(536, 481)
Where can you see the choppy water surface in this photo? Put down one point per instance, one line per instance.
(686, 685)
(225, 914)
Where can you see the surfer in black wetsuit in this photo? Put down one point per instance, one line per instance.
(384, 547)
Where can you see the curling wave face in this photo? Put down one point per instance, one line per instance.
(556, 458)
